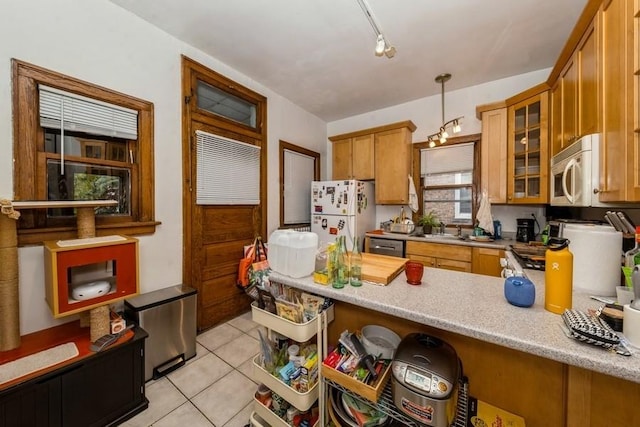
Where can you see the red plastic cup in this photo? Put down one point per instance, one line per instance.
(414, 271)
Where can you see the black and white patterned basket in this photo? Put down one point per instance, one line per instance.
(590, 329)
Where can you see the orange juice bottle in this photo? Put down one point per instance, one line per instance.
(558, 276)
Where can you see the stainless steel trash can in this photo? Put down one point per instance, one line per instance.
(169, 316)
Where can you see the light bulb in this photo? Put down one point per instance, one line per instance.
(443, 134)
(443, 139)
(432, 144)
(380, 45)
(456, 127)
(390, 52)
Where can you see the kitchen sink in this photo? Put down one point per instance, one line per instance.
(442, 236)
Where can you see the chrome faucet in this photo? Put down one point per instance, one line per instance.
(442, 228)
(459, 230)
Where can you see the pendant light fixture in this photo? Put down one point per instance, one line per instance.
(383, 47)
(453, 125)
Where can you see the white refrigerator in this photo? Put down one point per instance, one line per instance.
(342, 208)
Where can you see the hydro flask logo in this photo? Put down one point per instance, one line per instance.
(555, 266)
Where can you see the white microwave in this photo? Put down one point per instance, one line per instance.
(575, 174)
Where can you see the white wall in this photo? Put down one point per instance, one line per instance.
(426, 114)
(101, 43)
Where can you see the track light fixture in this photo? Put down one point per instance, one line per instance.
(383, 47)
(454, 125)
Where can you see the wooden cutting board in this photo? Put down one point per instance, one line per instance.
(381, 269)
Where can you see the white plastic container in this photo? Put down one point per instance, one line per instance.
(293, 253)
(279, 250)
(303, 246)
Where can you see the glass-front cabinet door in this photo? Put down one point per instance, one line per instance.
(528, 151)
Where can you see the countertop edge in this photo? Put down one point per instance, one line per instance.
(569, 351)
(494, 244)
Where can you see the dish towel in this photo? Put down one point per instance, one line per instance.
(413, 195)
(485, 220)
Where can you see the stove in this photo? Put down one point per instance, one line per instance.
(529, 255)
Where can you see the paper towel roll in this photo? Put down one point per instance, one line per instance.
(631, 325)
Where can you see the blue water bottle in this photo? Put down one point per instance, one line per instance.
(497, 230)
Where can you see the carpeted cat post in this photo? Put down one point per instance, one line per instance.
(9, 290)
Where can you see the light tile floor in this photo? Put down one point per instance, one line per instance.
(215, 388)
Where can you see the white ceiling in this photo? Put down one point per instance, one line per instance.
(319, 53)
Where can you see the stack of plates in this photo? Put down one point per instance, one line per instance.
(344, 407)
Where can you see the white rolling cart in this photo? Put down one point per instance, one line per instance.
(299, 332)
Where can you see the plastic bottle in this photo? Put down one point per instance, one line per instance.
(558, 276)
(302, 253)
(355, 264)
(632, 256)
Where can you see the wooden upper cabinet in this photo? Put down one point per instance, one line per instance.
(528, 150)
(619, 149)
(555, 118)
(393, 165)
(634, 142)
(353, 158)
(569, 83)
(382, 154)
(493, 153)
(362, 157)
(575, 111)
(342, 154)
(587, 58)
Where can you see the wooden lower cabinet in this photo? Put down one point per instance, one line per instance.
(487, 261)
(103, 389)
(545, 392)
(437, 255)
(456, 257)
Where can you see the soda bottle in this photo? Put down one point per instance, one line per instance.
(355, 264)
(343, 262)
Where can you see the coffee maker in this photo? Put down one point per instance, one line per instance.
(525, 230)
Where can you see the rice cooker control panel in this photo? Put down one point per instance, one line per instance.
(425, 382)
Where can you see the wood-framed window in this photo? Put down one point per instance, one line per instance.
(54, 163)
(448, 179)
(298, 168)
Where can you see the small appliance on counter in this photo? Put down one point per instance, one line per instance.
(597, 257)
(426, 373)
(525, 230)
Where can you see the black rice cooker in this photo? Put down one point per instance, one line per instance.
(426, 373)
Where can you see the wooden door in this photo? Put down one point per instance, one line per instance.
(214, 235)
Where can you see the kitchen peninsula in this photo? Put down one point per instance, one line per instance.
(516, 358)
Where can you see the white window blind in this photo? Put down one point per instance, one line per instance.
(71, 112)
(299, 172)
(228, 171)
(447, 159)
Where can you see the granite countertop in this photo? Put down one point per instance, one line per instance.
(448, 239)
(473, 305)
